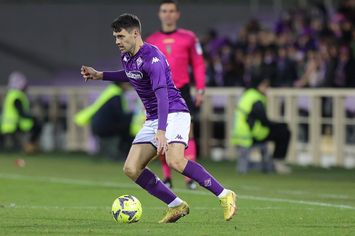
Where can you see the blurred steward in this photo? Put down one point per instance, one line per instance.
(253, 126)
(109, 117)
(16, 113)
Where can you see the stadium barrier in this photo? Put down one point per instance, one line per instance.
(331, 129)
(326, 116)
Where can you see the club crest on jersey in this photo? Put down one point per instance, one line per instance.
(168, 48)
(139, 62)
(125, 59)
(135, 74)
(155, 60)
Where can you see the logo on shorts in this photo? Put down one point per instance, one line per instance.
(178, 137)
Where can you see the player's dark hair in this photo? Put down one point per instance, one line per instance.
(175, 2)
(126, 21)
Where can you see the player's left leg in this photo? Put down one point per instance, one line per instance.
(190, 154)
(193, 170)
(177, 134)
(166, 172)
(190, 151)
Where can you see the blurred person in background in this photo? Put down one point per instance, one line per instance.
(340, 67)
(286, 69)
(16, 113)
(253, 126)
(345, 70)
(183, 51)
(352, 43)
(109, 118)
(234, 70)
(314, 73)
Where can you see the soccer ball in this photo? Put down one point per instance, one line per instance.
(126, 209)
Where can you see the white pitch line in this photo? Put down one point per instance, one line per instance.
(312, 203)
(14, 206)
(300, 192)
(112, 184)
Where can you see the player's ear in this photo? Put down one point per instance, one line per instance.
(178, 13)
(135, 32)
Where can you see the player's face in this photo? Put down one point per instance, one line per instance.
(168, 14)
(125, 40)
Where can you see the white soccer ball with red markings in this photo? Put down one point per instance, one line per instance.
(126, 209)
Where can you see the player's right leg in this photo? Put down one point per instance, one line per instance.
(142, 151)
(135, 168)
(138, 157)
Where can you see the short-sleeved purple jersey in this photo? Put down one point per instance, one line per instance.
(149, 71)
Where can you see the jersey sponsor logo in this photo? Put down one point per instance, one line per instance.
(155, 60)
(169, 40)
(139, 61)
(135, 74)
(198, 48)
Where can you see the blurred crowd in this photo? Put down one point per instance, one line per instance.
(307, 47)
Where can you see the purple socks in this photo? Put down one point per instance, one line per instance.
(154, 186)
(195, 171)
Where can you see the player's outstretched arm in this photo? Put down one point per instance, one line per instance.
(90, 73)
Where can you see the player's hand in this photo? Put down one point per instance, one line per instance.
(90, 73)
(162, 142)
(198, 99)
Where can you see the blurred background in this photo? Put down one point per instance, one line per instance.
(307, 48)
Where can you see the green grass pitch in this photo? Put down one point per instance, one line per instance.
(69, 194)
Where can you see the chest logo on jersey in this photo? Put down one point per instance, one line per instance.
(169, 40)
(139, 62)
(135, 74)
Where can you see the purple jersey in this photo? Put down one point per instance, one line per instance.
(148, 72)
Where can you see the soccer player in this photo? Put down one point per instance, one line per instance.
(168, 120)
(183, 51)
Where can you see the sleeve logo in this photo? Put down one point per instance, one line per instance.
(155, 59)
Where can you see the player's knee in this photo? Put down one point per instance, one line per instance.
(130, 171)
(175, 164)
